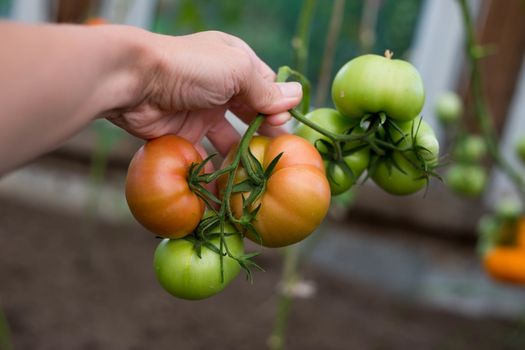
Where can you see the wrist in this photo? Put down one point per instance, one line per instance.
(129, 64)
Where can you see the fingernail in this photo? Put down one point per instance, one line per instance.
(291, 89)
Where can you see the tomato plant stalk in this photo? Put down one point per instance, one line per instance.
(474, 53)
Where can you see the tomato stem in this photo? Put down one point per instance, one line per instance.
(482, 112)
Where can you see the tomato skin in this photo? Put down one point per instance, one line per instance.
(506, 264)
(392, 180)
(183, 274)
(157, 189)
(297, 194)
(466, 179)
(411, 179)
(420, 133)
(448, 108)
(332, 120)
(469, 149)
(373, 84)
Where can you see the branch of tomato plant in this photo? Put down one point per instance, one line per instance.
(224, 213)
(338, 138)
(291, 254)
(474, 54)
(289, 276)
(301, 38)
(336, 21)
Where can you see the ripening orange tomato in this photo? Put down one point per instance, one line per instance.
(506, 264)
(157, 189)
(297, 194)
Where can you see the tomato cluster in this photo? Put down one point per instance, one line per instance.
(375, 127)
(276, 191)
(201, 253)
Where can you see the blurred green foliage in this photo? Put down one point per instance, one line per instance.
(269, 25)
(5, 8)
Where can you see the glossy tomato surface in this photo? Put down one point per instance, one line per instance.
(402, 173)
(157, 189)
(297, 194)
(184, 274)
(373, 84)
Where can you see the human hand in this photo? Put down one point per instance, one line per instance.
(191, 81)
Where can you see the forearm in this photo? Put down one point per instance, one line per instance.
(55, 79)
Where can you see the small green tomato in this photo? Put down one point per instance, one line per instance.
(466, 179)
(449, 108)
(374, 84)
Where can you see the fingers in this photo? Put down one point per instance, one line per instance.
(276, 115)
(269, 130)
(257, 88)
(270, 98)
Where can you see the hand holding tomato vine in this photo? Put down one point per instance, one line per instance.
(275, 191)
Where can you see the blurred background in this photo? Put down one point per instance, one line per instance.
(382, 272)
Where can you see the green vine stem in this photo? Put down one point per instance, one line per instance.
(225, 212)
(336, 21)
(289, 277)
(302, 36)
(291, 254)
(5, 338)
(474, 53)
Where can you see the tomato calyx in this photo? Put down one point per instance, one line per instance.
(211, 229)
(252, 187)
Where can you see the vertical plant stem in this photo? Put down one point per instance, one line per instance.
(97, 174)
(474, 53)
(5, 335)
(291, 254)
(367, 27)
(336, 21)
(288, 278)
(302, 36)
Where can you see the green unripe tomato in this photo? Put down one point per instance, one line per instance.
(509, 208)
(420, 133)
(449, 108)
(373, 84)
(184, 274)
(332, 120)
(470, 148)
(401, 173)
(466, 179)
(394, 181)
(520, 148)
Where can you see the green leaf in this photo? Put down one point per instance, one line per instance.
(202, 164)
(207, 194)
(212, 247)
(243, 186)
(269, 170)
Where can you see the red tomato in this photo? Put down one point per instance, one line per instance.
(157, 189)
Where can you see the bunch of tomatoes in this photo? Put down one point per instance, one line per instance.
(375, 127)
(276, 191)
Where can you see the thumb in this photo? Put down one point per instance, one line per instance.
(269, 97)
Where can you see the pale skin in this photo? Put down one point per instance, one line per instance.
(56, 79)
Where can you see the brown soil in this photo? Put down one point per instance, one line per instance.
(68, 285)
